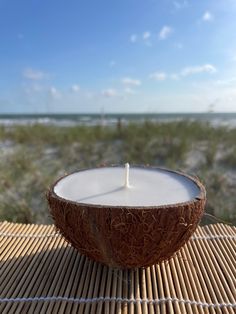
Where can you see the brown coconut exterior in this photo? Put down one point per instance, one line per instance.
(127, 237)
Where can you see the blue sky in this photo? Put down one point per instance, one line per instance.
(117, 56)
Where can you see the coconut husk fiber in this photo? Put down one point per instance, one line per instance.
(127, 237)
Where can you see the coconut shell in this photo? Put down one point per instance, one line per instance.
(127, 237)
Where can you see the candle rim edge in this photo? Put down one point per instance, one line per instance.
(193, 179)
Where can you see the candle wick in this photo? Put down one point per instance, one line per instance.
(127, 175)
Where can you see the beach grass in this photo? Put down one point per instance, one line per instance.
(33, 156)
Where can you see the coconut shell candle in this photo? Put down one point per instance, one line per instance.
(127, 217)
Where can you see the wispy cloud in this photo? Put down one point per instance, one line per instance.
(187, 71)
(34, 75)
(146, 35)
(129, 91)
(54, 92)
(174, 76)
(208, 17)
(133, 38)
(227, 81)
(180, 4)
(158, 76)
(208, 68)
(144, 38)
(75, 88)
(32, 87)
(127, 81)
(165, 32)
(109, 92)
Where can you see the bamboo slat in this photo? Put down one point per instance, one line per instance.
(41, 273)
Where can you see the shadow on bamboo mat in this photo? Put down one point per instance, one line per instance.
(41, 273)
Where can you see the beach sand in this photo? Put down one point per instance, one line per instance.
(34, 156)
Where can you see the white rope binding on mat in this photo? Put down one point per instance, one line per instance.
(22, 235)
(49, 235)
(213, 237)
(122, 300)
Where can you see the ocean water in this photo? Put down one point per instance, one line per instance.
(215, 119)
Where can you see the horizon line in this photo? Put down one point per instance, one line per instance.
(114, 113)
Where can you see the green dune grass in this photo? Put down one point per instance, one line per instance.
(32, 157)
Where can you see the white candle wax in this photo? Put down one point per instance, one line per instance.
(147, 187)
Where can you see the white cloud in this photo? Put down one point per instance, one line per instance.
(133, 38)
(174, 76)
(162, 76)
(34, 75)
(180, 4)
(129, 91)
(75, 88)
(37, 88)
(109, 92)
(227, 81)
(146, 35)
(165, 32)
(207, 16)
(208, 68)
(130, 82)
(33, 88)
(158, 76)
(54, 93)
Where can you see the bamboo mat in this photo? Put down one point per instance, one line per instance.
(41, 273)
